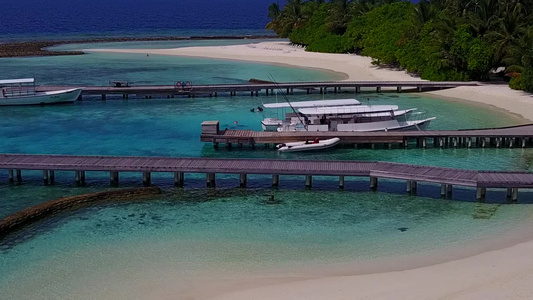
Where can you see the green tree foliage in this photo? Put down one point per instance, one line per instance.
(387, 32)
(438, 39)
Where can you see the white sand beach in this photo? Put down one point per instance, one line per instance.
(499, 274)
(354, 67)
(506, 273)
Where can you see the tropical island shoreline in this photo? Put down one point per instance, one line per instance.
(499, 268)
(517, 104)
(40, 48)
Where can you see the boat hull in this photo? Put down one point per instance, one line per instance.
(62, 96)
(302, 146)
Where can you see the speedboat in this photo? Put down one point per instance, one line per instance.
(23, 92)
(308, 146)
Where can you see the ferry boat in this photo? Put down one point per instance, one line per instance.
(23, 92)
(350, 115)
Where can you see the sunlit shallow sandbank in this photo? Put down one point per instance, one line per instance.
(201, 243)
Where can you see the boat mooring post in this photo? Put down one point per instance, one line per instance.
(19, 176)
(341, 182)
(11, 178)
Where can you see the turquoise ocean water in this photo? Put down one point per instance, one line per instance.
(185, 232)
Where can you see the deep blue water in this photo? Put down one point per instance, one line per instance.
(38, 19)
(70, 19)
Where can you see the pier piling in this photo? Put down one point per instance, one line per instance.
(480, 194)
(242, 180)
(45, 177)
(113, 178)
(275, 180)
(412, 174)
(179, 179)
(308, 181)
(147, 178)
(373, 183)
(210, 180)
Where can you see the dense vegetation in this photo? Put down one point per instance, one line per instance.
(438, 39)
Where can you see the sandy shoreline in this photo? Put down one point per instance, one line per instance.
(353, 67)
(506, 273)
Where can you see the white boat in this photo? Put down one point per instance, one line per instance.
(326, 115)
(308, 146)
(272, 124)
(23, 92)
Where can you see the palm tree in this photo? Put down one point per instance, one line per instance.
(483, 15)
(507, 30)
(274, 14)
(520, 54)
(340, 16)
(291, 17)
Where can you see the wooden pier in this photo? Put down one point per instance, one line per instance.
(254, 89)
(412, 174)
(510, 137)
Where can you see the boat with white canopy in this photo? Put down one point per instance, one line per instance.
(272, 124)
(344, 115)
(24, 92)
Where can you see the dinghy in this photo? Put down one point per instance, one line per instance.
(308, 146)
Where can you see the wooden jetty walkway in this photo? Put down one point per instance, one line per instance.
(446, 177)
(515, 136)
(126, 89)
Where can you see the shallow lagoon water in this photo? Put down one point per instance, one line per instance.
(186, 232)
(115, 251)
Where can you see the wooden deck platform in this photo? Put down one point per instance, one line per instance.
(255, 88)
(515, 136)
(446, 177)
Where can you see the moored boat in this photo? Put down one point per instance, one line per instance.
(24, 92)
(308, 146)
(327, 115)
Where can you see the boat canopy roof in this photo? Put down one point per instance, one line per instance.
(17, 81)
(318, 103)
(337, 110)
